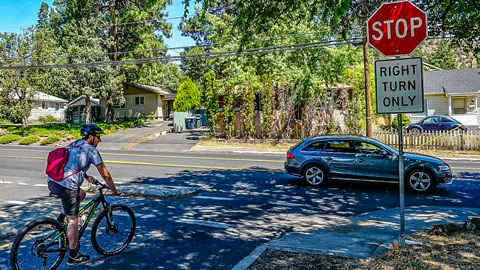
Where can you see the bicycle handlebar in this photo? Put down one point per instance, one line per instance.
(98, 183)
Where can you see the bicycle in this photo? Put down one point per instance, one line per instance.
(49, 244)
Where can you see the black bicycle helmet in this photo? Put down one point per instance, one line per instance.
(90, 129)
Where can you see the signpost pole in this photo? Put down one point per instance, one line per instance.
(401, 180)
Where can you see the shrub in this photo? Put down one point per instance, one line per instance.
(139, 122)
(29, 140)
(9, 138)
(46, 119)
(405, 121)
(50, 139)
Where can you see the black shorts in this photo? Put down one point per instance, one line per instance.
(70, 198)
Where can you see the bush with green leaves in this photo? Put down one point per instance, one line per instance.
(139, 122)
(50, 140)
(188, 97)
(9, 138)
(46, 119)
(405, 121)
(29, 140)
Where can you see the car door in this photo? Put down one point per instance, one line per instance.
(340, 159)
(447, 123)
(372, 165)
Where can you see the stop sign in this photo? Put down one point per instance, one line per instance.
(397, 28)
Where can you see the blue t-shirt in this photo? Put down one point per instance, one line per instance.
(79, 157)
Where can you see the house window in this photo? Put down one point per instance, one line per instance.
(121, 106)
(459, 106)
(44, 105)
(139, 100)
(57, 106)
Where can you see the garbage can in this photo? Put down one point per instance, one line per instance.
(198, 120)
(190, 122)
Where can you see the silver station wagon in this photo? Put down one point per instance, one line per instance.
(356, 158)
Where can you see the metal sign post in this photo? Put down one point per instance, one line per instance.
(401, 180)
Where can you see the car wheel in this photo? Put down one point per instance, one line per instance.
(420, 180)
(415, 131)
(315, 175)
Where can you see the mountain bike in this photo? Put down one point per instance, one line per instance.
(42, 244)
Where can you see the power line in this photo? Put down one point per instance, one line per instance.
(171, 48)
(252, 51)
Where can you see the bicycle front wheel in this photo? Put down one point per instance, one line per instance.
(113, 230)
(41, 245)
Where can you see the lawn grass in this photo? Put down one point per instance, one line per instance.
(29, 140)
(9, 138)
(55, 131)
(50, 139)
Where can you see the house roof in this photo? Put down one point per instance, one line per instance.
(81, 101)
(455, 81)
(153, 89)
(40, 96)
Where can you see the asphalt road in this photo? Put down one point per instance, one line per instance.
(245, 200)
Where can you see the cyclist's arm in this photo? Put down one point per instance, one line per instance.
(102, 169)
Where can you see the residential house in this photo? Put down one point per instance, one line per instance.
(44, 105)
(77, 106)
(142, 101)
(454, 93)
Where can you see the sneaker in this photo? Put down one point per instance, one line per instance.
(79, 259)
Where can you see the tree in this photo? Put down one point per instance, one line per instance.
(16, 93)
(188, 97)
(228, 114)
(266, 102)
(248, 108)
(211, 100)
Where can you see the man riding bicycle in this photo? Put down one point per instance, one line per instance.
(82, 154)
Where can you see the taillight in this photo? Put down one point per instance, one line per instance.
(290, 156)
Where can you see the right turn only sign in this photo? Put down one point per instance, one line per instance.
(399, 85)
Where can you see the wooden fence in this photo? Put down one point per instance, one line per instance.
(453, 140)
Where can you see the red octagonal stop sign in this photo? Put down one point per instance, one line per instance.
(397, 28)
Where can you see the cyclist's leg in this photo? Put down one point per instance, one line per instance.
(72, 231)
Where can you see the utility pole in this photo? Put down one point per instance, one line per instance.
(368, 103)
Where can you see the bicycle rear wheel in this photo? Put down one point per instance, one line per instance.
(40, 245)
(113, 231)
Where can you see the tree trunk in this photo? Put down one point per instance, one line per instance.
(24, 122)
(88, 110)
(368, 106)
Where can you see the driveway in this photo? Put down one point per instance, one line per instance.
(127, 139)
(171, 142)
(154, 136)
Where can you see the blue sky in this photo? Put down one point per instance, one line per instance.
(17, 14)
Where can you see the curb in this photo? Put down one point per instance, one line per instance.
(151, 191)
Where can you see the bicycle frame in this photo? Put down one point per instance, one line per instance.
(93, 205)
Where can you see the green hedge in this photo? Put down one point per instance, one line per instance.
(29, 140)
(9, 138)
(50, 140)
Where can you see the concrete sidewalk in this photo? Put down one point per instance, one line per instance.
(366, 235)
(17, 216)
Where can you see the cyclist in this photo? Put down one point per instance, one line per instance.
(80, 158)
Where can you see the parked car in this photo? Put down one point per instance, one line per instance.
(434, 123)
(356, 158)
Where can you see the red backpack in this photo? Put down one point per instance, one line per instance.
(56, 161)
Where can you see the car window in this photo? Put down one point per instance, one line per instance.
(338, 146)
(447, 120)
(431, 120)
(316, 146)
(366, 148)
